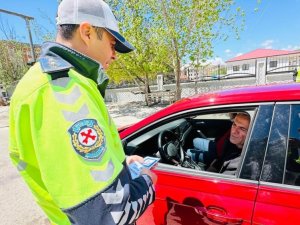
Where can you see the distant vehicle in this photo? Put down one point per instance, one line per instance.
(215, 77)
(266, 187)
(236, 75)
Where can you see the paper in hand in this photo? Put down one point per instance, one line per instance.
(135, 168)
(149, 162)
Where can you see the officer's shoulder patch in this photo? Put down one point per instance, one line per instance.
(88, 139)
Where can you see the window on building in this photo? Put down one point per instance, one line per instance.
(292, 61)
(245, 67)
(273, 64)
(236, 68)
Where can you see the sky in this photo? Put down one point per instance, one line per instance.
(275, 25)
(272, 24)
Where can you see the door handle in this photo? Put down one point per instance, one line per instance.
(218, 215)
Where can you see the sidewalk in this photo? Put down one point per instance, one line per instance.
(129, 113)
(3, 116)
(17, 203)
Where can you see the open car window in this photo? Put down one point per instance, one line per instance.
(173, 125)
(175, 136)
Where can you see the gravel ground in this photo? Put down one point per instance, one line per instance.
(17, 203)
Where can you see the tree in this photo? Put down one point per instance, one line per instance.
(13, 52)
(182, 29)
(191, 26)
(151, 55)
(44, 33)
(12, 61)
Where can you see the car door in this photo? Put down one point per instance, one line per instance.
(278, 199)
(186, 196)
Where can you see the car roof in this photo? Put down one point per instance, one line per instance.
(249, 94)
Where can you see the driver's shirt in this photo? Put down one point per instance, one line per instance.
(228, 162)
(66, 146)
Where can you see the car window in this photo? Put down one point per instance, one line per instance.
(273, 167)
(168, 126)
(214, 116)
(292, 170)
(173, 140)
(257, 143)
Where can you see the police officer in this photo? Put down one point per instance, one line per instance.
(296, 75)
(62, 138)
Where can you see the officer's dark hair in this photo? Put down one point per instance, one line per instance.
(67, 31)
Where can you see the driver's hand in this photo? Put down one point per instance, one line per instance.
(152, 175)
(133, 158)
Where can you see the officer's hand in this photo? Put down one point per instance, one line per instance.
(132, 158)
(150, 174)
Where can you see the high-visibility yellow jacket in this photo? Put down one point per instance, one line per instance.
(67, 148)
(297, 74)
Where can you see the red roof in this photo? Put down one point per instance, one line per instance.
(261, 53)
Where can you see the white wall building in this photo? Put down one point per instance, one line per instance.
(261, 62)
(188, 72)
(203, 71)
(257, 63)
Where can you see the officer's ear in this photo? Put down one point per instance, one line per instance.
(85, 32)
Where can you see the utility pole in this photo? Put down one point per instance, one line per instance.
(27, 20)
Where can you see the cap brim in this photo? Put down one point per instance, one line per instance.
(122, 46)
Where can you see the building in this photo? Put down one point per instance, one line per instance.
(262, 62)
(13, 46)
(211, 69)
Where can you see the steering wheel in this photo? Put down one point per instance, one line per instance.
(169, 147)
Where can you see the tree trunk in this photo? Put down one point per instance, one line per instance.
(177, 77)
(141, 87)
(147, 90)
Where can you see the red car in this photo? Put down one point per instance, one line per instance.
(266, 186)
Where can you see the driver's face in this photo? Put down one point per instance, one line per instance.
(239, 130)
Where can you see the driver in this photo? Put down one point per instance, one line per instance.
(205, 151)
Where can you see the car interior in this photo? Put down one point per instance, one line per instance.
(169, 139)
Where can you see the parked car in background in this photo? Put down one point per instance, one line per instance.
(266, 187)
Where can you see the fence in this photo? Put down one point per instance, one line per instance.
(133, 94)
(188, 89)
